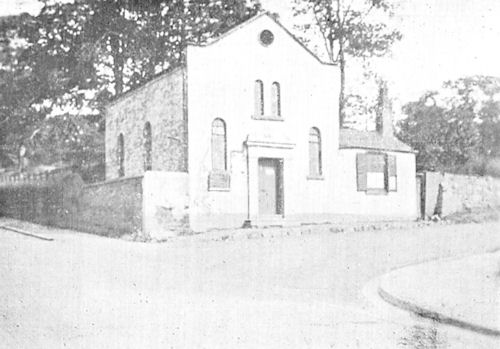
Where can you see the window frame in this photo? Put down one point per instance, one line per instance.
(218, 178)
(318, 153)
(120, 153)
(276, 99)
(223, 138)
(259, 98)
(389, 170)
(148, 146)
(392, 171)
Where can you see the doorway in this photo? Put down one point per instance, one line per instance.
(271, 186)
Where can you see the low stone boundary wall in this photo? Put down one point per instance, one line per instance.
(108, 208)
(446, 193)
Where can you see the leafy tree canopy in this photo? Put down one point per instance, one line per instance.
(350, 29)
(457, 128)
(58, 69)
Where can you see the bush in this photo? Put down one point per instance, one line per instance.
(493, 167)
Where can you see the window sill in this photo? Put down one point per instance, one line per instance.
(219, 181)
(219, 189)
(267, 117)
(316, 178)
(376, 192)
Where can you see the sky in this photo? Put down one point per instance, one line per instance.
(442, 40)
(13, 7)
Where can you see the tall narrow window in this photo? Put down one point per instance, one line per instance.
(148, 145)
(121, 156)
(259, 97)
(219, 159)
(276, 99)
(315, 169)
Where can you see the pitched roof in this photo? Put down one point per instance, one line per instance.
(173, 67)
(252, 19)
(350, 138)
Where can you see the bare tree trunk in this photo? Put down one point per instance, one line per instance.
(118, 64)
(341, 60)
(342, 86)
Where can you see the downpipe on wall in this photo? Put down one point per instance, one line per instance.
(247, 223)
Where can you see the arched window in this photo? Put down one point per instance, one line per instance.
(276, 99)
(259, 97)
(315, 169)
(121, 155)
(219, 158)
(148, 145)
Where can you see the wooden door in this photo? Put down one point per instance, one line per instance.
(268, 186)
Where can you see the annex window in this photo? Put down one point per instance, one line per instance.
(121, 155)
(392, 173)
(276, 99)
(219, 158)
(259, 98)
(376, 172)
(148, 147)
(315, 166)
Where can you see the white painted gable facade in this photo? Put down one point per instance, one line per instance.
(256, 123)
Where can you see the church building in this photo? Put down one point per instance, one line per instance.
(246, 132)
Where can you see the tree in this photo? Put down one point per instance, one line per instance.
(75, 56)
(482, 93)
(456, 129)
(349, 28)
(16, 92)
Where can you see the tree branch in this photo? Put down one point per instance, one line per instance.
(326, 41)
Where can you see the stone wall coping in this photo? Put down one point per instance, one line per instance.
(155, 79)
(113, 181)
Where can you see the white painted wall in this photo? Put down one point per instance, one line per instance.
(400, 204)
(221, 80)
(165, 203)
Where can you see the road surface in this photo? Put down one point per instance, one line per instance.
(85, 291)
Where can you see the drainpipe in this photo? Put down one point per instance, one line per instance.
(247, 223)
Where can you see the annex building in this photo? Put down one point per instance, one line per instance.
(247, 131)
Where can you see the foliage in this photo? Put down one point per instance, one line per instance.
(58, 69)
(349, 28)
(358, 109)
(456, 129)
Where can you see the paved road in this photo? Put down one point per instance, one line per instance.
(83, 291)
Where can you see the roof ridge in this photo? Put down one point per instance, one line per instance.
(252, 19)
(352, 138)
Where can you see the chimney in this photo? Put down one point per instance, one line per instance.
(383, 120)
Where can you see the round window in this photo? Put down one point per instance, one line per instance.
(266, 37)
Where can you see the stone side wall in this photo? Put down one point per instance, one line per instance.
(161, 103)
(108, 208)
(459, 193)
